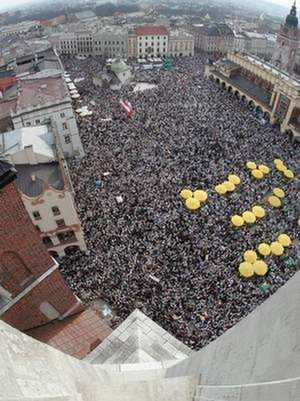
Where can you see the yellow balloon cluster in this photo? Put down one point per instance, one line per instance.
(251, 265)
(258, 172)
(276, 247)
(229, 185)
(248, 217)
(280, 166)
(192, 199)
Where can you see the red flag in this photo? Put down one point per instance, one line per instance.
(127, 107)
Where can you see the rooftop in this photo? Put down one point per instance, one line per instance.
(139, 340)
(7, 106)
(151, 30)
(76, 335)
(37, 92)
(45, 174)
(39, 138)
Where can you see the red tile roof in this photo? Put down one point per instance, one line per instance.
(76, 335)
(148, 30)
(35, 92)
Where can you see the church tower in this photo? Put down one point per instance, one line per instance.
(285, 55)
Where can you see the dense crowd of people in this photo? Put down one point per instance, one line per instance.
(150, 252)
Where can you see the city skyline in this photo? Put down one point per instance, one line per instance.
(15, 3)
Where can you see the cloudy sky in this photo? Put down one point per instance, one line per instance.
(17, 2)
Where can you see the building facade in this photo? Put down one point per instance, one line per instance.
(47, 101)
(110, 42)
(181, 44)
(32, 290)
(45, 188)
(132, 44)
(272, 92)
(152, 41)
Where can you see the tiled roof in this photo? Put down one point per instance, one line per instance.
(37, 92)
(151, 30)
(76, 335)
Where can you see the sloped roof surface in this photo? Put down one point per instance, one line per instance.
(139, 340)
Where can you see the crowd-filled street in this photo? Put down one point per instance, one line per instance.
(148, 251)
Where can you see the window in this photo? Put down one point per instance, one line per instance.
(37, 122)
(60, 223)
(47, 241)
(28, 124)
(67, 139)
(67, 236)
(49, 311)
(55, 210)
(65, 126)
(62, 115)
(36, 215)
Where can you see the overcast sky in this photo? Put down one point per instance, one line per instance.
(17, 2)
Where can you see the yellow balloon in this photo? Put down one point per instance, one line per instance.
(186, 194)
(264, 169)
(279, 192)
(276, 248)
(257, 174)
(281, 167)
(288, 174)
(274, 201)
(220, 189)
(260, 267)
(235, 179)
(251, 165)
(258, 211)
(264, 249)
(192, 203)
(249, 217)
(200, 195)
(246, 269)
(284, 240)
(237, 220)
(230, 187)
(250, 256)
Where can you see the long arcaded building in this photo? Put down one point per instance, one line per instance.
(273, 92)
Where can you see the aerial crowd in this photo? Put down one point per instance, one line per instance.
(145, 249)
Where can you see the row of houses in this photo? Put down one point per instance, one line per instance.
(219, 37)
(38, 133)
(113, 41)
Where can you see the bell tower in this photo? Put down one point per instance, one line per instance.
(287, 43)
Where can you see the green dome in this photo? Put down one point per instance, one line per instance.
(119, 66)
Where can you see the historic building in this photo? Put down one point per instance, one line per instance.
(152, 41)
(181, 44)
(32, 290)
(40, 101)
(45, 187)
(286, 55)
(272, 92)
(34, 297)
